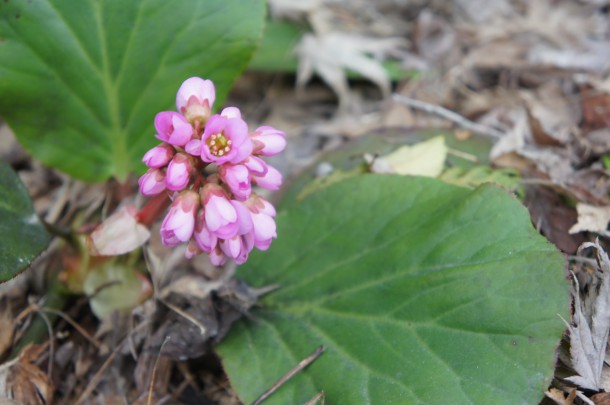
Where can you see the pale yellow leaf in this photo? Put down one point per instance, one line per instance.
(422, 159)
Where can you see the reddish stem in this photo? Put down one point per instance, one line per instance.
(153, 209)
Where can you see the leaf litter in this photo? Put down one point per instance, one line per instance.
(536, 73)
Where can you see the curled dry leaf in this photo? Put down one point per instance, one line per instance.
(590, 325)
(330, 55)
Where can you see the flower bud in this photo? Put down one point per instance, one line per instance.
(173, 128)
(237, 177)
(268, 141)
(158, 156)
(179, 223)
(195, 99)
(152, 182)
(178, 172)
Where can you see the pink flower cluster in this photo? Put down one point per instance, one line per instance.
(208, 163)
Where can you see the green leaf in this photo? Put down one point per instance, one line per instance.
(81, 81)
(421, 292)
(22, 235)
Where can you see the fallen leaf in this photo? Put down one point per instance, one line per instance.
(592, 219)
(590, 326)
(25, 382)
(120, 233)
(330, 55)
(422, 159)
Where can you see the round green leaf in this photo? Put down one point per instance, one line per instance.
(81, 81)
(421, 292)
(22, 235)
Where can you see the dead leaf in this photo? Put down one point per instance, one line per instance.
(7, 330)
(26, 382)
(330, 55)
(603, 398)
(592, 219)
(590, 326)
(422, 159)
(120, 233)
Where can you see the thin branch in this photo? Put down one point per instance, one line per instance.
(302, 364)
(449, 115)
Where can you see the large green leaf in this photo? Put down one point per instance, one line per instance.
(22, 235)
(81, 81)
(421, 292)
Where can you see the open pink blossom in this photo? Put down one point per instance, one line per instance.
(225, 140)
(179, 223)
(173, 128)
(178, 172)
(152, 182)
(159, 156)
(237, 177)
(268, 141)
(264, 228)
(195, 99)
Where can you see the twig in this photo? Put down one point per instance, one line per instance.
(154, 372)
(318, 397)
(75, 325)
(449, 115)
(302, 364)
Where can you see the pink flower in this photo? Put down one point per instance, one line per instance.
(173, 128)
(268, 141)
(179, 223)
(225, 140)
(224, 218)
(231, 112)
(158, 156)
(256, 166)
(206, 241)
(178, 172)
(262, 213)
(152, 182)
(193, 147)
(271, 180)
(238, 247)
(195, 98)
(217, 257)
(237, 177)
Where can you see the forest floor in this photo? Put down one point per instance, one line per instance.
(531, 77)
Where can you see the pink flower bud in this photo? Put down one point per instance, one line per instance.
(256, 166)
(262, 213)
(272, 180)
(268, 141)
(206, 241)
(152, 182)
(192, 250)
(159, 156)
(231, 112)
(237, 177)
(195, 98)
(193, 147)
(217, 257)
(120, 233)
(225, 140)
(173, 128)
(179, 223)
(178, 172)
(223, 217)
(238, 247)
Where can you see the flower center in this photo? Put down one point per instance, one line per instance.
(219, 145)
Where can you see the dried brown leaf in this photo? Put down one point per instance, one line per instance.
(26, 382)
(592, 219)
